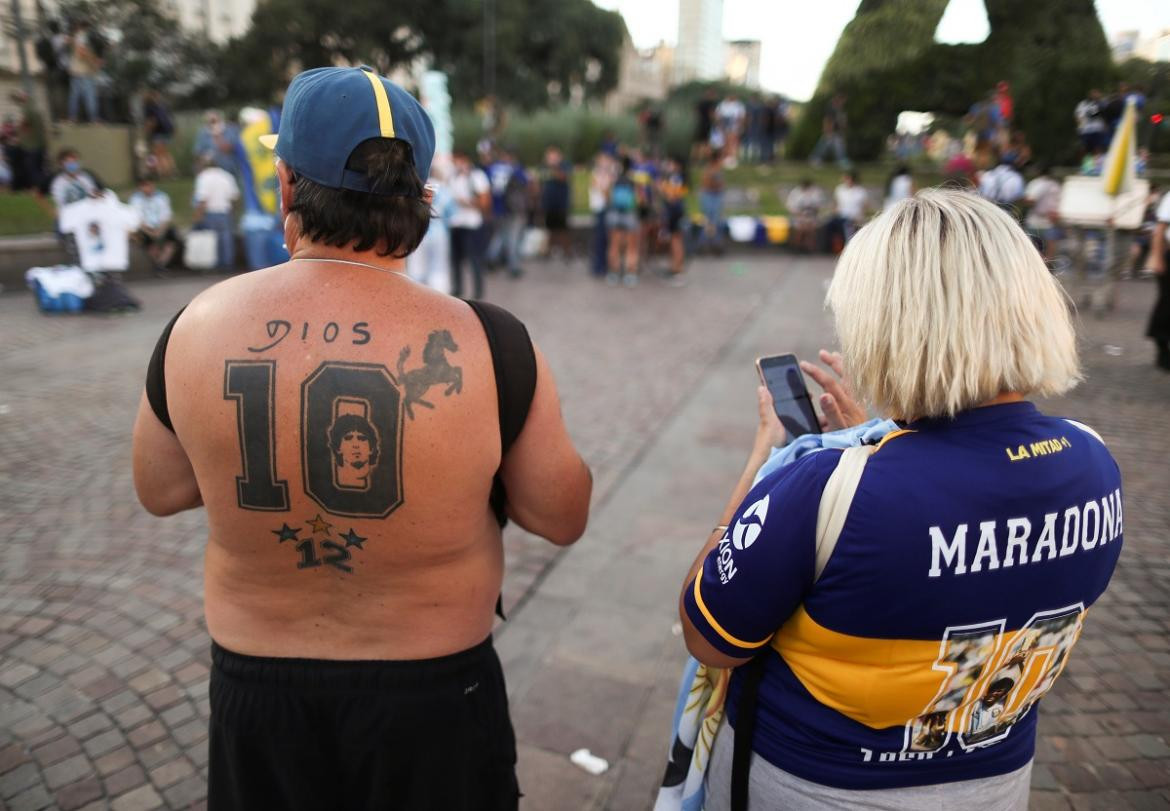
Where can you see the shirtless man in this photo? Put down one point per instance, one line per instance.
(351, 610)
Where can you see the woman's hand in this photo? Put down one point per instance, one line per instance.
(838, 403)
(770, 432)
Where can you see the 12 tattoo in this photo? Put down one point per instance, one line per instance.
(352, 417)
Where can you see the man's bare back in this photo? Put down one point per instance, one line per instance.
(403, 561)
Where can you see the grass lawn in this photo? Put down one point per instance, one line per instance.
(755, 190)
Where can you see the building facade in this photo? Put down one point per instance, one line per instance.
(699, 54)
(743, 63)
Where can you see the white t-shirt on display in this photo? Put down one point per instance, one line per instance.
(466, 189)
(101, 226)
(216, 189)
(851, 201)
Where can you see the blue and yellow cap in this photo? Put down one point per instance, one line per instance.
(328, 112)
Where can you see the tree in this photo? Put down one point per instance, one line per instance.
(144, 47)
(1051, 51)
(544, 48)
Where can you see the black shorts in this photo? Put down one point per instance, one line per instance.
(166, 236)
(556, 219)
(313, 734)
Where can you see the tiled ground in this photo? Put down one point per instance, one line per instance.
(103, 654)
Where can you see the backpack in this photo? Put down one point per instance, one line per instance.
(623, 196)
(111, 296)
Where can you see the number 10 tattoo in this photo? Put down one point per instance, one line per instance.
(351, 420)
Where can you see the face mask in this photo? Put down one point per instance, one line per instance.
(72, 166)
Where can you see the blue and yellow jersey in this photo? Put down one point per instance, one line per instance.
(961, 580)
(673, 188)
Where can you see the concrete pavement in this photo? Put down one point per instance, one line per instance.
(103, 655)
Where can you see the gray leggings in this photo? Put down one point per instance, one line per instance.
(772, 789)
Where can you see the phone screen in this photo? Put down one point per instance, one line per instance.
(790, 396)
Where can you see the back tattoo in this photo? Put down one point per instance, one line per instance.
(352, 417)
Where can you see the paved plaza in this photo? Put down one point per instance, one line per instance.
(103, 651)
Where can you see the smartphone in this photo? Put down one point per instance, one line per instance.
(790, 397)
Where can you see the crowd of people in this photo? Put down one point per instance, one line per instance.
(799, 632)
(752, 128)
(492, 211)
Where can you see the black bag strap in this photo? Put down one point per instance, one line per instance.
(745, 729)
(514, 364)
(836, 499)
(156, 380)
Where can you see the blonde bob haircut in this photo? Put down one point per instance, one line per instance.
(942, 303)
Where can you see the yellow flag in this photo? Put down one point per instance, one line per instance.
(1120, 168)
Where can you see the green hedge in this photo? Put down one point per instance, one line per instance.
(578, 131)
(1051, 51)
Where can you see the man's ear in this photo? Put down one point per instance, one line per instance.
(428, 195)
(287, 181)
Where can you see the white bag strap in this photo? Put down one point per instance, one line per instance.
(836, 500)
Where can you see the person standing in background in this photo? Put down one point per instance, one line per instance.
(622, 218)
(216, 192)
(555, 200)
(1042, 195)
(711, 191)
(1003, 185)
(216, 142)
(509, 184)
(1159, 327)
(731, 115)
(704, 121)
(833, 128)
(84, 64)
(159, 128)
(852, 205)
(900, 186)
(28, 159)
(471, 191)
(672, 188)
(601, 180)
(430, 263)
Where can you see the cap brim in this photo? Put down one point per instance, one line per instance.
(268, 141)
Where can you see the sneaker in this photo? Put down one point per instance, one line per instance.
(678, 280)
(630, 280)
(612, 279)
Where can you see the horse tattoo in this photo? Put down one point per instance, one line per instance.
(435, 371)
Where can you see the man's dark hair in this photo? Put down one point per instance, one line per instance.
(352, 423)
(392, 219)
(67, 152)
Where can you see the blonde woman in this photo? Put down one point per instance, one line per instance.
(907, 675)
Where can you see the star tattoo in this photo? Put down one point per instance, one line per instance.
(286, 533)
(319, 525)
(351, 538)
